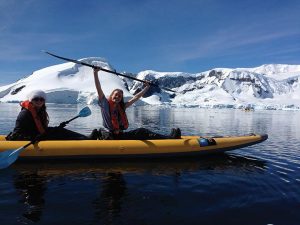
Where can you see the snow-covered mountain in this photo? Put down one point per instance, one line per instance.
(274, 86)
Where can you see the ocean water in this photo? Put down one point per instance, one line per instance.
(259, 184)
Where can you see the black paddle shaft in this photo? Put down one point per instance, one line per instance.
(63, 124)
(105, 70)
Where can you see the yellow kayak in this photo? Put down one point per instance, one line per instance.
(186, 146)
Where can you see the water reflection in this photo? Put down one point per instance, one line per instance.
(108, 205)
(31, 188)
(110, 181)
(138, 166)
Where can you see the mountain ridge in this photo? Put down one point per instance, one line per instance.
(269, 86)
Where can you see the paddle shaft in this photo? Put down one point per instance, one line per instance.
(105, 70)
(71, 119)
(25, 146)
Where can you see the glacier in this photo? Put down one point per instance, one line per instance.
(271, 86)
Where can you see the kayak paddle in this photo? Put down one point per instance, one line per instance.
(83, 113)
(8, 157)
(105, 70)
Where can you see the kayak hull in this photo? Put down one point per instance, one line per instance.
(186, 146)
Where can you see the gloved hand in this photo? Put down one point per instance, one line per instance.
(63, 124)
(36, 138)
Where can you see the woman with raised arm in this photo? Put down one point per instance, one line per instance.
(114, 116)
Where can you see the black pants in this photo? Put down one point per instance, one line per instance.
(57, 133)
(52, 133)
(139, 134)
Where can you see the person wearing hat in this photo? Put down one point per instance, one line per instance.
(33, 120)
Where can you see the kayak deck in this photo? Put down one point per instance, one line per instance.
(186, 146)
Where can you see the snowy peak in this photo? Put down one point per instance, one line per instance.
(277, 71)
(275, 86)
(248, 84)
(64, 83)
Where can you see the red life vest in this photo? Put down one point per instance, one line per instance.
(116, 113)
(38, 123)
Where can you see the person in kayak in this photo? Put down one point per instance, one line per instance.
(115, 119)
(32, 122)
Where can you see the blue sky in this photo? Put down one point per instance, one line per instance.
(135, 35)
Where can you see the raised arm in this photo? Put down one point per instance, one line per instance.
(137, 96)
(97, 83)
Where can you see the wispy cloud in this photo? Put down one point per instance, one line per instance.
(226, 41)
(237, 33)
(27, 46)
(11, 10)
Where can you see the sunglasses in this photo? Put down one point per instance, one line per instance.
(38, 99)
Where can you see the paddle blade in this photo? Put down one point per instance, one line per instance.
(85, 112)
(9, 157)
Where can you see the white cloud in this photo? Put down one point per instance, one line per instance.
(223, 42)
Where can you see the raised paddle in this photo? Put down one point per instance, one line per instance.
(105, 70)
(8, 157)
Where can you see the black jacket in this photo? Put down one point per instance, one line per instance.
(25, 128)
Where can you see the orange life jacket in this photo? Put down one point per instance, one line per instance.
(38, 123)
(117, 115)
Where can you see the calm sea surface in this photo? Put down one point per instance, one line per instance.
(259, 184)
